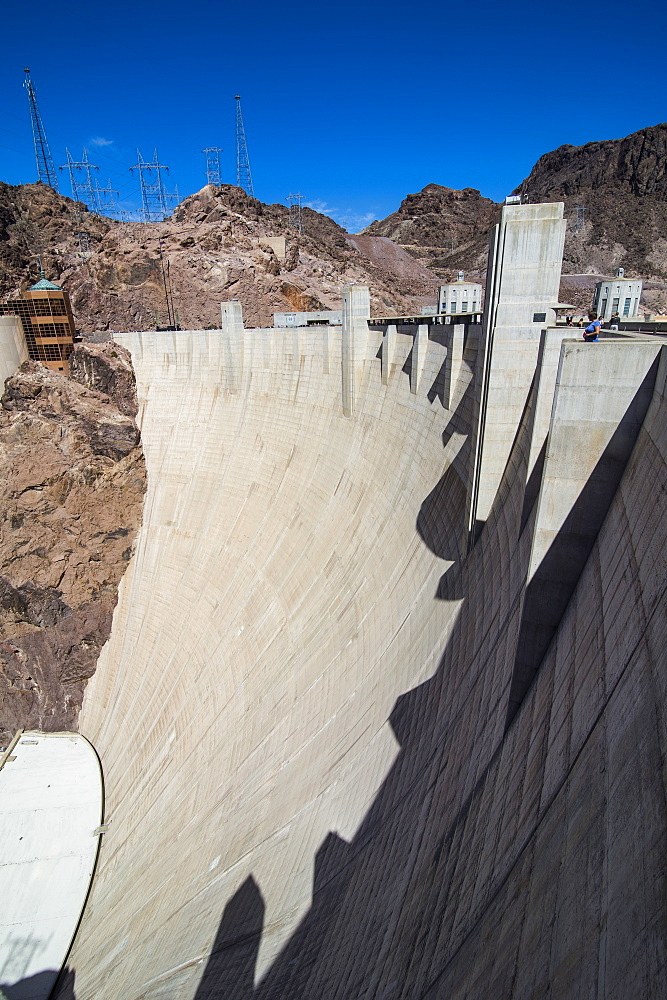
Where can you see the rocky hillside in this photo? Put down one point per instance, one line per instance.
(210, 250)
(621, 185)
(73, 479)
(444, 229)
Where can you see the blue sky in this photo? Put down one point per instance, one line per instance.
(354, 105)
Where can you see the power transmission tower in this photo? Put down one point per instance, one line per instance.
(213, 175)
(295, 213)
(82, 189)
(579, 219)
(46, 172)
(243, 175)
(153, 194)
(105, 199)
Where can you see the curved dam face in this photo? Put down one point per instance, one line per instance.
(280, 599)
(347, 752)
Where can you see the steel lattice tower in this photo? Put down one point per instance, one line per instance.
(243, 175)
(154, 196)
(213, 174)
(295, 213)
(82, 189)
(105, 199)
(46, 172)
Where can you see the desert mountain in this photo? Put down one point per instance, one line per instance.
(621, 184)
(210, 250)
(442, 228)
(615, 194)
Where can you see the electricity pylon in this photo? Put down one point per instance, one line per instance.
(213, 174)
(243, 175)
(83, 188)
(46, 172)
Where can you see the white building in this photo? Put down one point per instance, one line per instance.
(326, 317)
(460, 296)
(619, 295)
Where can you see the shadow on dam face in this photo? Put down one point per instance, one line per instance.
(486, 861)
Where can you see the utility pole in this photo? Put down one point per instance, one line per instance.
(295, 212)
(213, 174)
(46, 172)
(243, 175)
(82, 190)
(153, 194)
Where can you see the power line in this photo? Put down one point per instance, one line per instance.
(243, 175)
(46, 172)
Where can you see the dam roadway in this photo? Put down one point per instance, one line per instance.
(322, 780)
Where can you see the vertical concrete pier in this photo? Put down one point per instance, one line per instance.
(523, 277)
(388, 351)
(356, 313)
(233, 343)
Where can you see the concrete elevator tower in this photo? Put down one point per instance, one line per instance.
(523, 279)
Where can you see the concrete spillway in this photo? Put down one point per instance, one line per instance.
(330, 771)
(312, 790)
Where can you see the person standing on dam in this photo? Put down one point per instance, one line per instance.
(593, 328)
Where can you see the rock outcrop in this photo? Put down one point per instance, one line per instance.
(621, 186)
(134, 276)
(443, 228)
(73, 480)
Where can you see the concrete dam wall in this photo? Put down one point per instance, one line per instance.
(350, 749)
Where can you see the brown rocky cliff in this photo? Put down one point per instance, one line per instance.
(443, 228)
(209, 251)
(73, 481)
(622, 186)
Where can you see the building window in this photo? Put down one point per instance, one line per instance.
(614, 305)
(464, 307)
(603, 307)
(626, 307)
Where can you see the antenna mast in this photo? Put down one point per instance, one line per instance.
(46, 172)
(243, 175)
(213, 175)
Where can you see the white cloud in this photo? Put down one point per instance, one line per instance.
(99, 140)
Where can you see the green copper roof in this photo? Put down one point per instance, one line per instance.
(44, 285)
